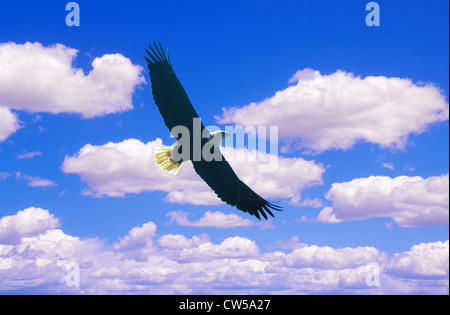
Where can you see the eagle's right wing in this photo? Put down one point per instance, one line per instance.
(168, 93)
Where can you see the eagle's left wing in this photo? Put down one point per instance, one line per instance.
(229, 188)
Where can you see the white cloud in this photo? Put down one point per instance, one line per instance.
(337, 258)
(313, 203)
(34, 255)
(409, 201)
(388, 165)
(291, 176)
(423, 261)
(322, 112)
(8, 123)
(4, 175)
(138, 243)
(128, 167)
(292, 243)
(29, 155)
(116, 169)
(35, 181)
(178, 241)
(210, 219)
(137, 237)
(35, 78)
(26, 223)
(231, 247)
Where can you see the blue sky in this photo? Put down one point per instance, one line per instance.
(363, 146)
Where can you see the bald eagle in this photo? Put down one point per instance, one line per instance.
(177, 110)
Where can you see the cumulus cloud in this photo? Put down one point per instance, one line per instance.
(138, 237)
(325, 256)
(138, 243)
(34, 254)
(130, 168)
(231, 247)
(321, 112)
(36, 78)
(423, 261)
(8, 123)
(26, 223)
(409, 201)
(210, 219)
(178, 241)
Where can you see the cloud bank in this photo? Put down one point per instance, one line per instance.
(34, 254)
(116, 169)
(322, 112)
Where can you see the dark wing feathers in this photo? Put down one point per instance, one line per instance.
(176, 109)
(230, 189)
(158, 55)
(168, 93)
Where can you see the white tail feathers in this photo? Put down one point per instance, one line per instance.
(165, 162)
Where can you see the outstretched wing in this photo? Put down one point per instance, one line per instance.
(229, 188)
(168, 93)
